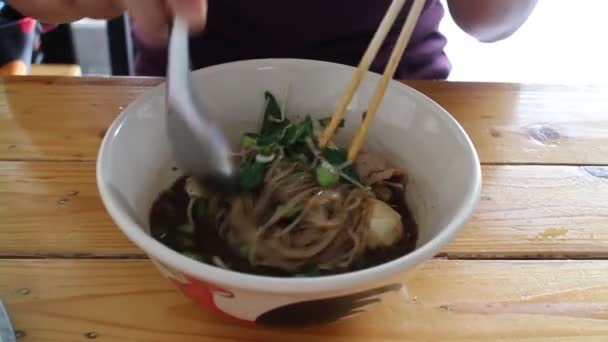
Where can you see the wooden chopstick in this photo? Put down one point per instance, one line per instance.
(370, 54)
(367, 59)
(389, 72)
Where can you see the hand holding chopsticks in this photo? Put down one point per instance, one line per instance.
(364, 65)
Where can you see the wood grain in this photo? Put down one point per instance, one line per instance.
(538, 212)
(55, 70)
(48, 118)
(515, 123)
(50, 130)
(53, 209)
(62, 300)
(64, 118)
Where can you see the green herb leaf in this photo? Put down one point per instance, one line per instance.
(294, 156)
(267, 150)
(273, 125)
(338, 157)
(291, 135)
(325, 122)
(273, 132)
(335, 157)
(272, 108)
(251, 175)
(299, 151)
(326, 174)
(298, 132)
(306, 129)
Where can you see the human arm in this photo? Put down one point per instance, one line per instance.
(490, 20)
(151, 16)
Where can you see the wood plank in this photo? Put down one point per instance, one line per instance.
(509, 123)
(538, 211)
(55, 70)
(62, 300)
(50, 208)
(54, 118)
(53, 208)
(519, 123)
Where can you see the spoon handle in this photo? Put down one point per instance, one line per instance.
(179, 92)
(198, 143)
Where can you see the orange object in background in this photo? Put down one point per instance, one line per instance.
(16, 67)
(19, 40)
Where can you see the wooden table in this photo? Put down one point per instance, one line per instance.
(531, 264)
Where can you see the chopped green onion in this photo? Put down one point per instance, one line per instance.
(263, 159)
(327, 175)
(249, 141)
(338, 158)
(268, 149)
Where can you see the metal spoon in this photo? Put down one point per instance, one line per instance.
(7, 334)
(199, 145)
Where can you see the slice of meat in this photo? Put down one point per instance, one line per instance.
(382, 192)
(368, 163)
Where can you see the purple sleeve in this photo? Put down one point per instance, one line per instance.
(149, 61)
(424, 57)
(230, 37)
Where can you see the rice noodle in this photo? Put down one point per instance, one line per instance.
(328, 230)
(291, 223)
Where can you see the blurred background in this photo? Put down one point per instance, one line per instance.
(562, 42)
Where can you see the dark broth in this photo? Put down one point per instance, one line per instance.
(169, 212)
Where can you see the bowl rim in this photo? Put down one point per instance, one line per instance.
(296, 285)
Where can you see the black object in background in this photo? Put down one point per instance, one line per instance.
(58, 46)
(121, 46)
(19, 41)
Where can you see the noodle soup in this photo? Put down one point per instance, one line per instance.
(257, 266)
(300, 211)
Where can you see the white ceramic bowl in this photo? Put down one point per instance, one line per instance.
(135, 164)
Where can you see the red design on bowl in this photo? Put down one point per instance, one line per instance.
(204, 294)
